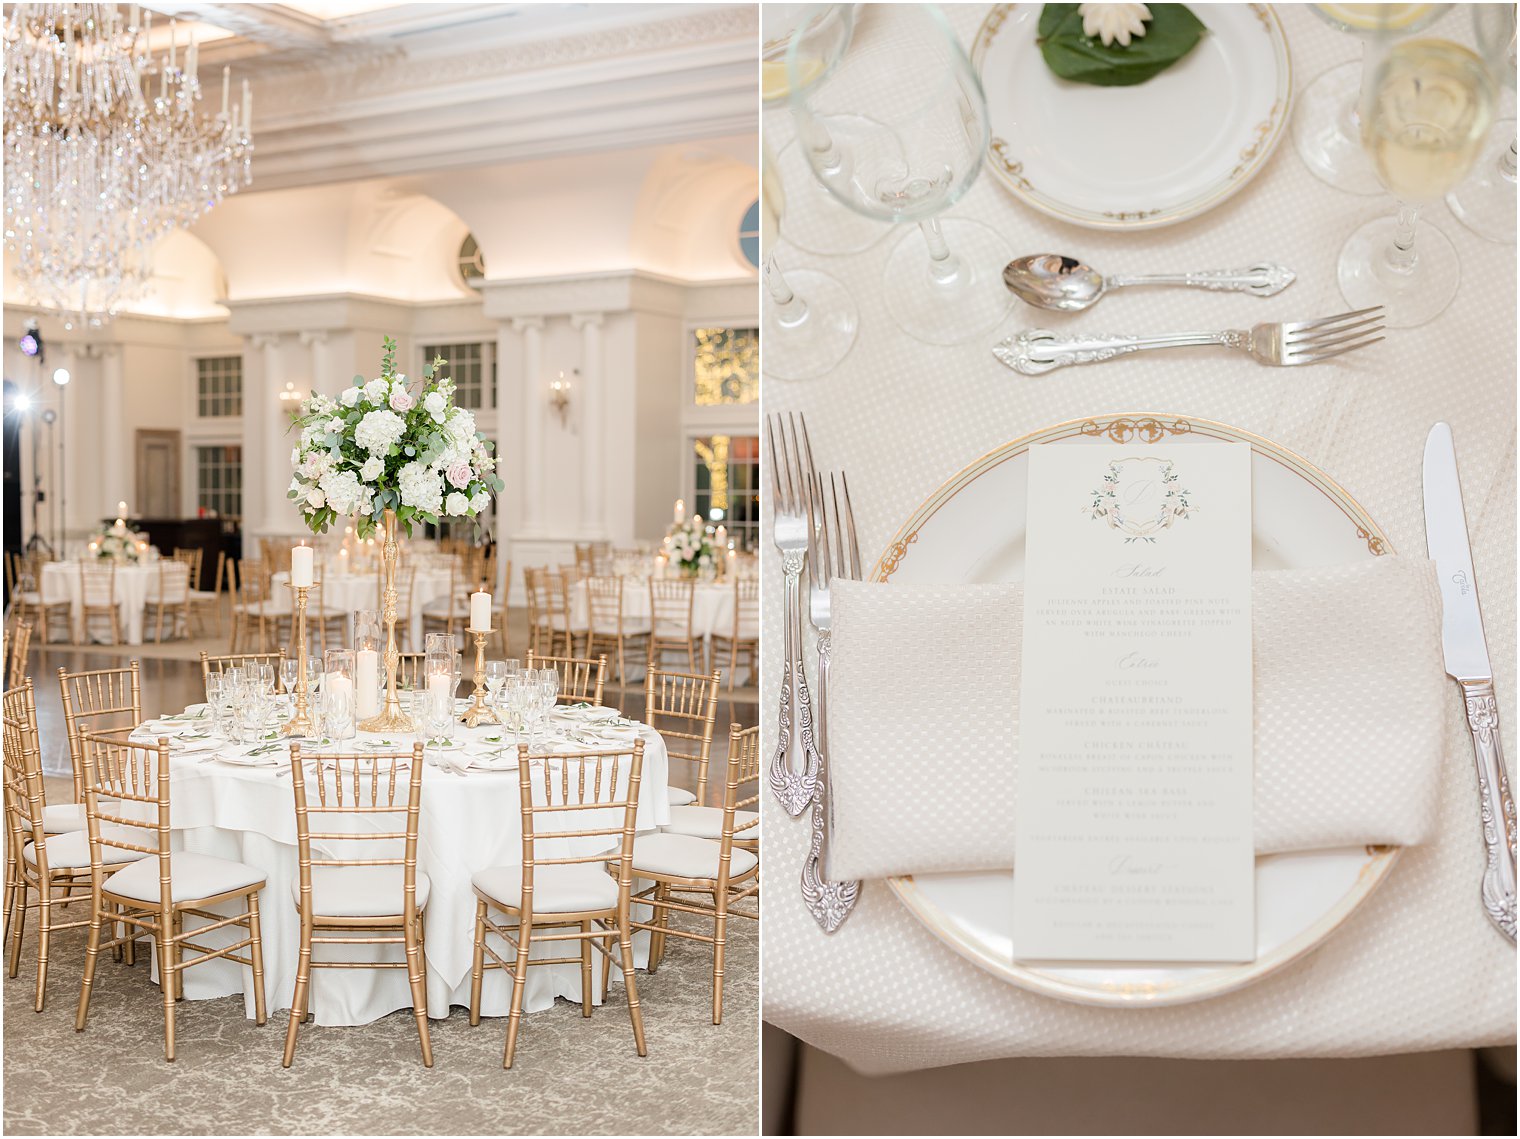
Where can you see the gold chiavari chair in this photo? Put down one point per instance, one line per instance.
(39, 861)
(26, 597)
(607, 622)
(127, 792)
(743, 636)
(383, 898)
(581, 679)
(105, 701)
(19, 647)
(554, 600)
(724, 865)
(248, 583)
(207, 603)
(540, 636)
(97, 600)
(670, 609)
(574, 800)
(169, 593)
(583, 561)
(409, 670)
(682, 707)
(218, 665)
(566, 621)
(601, 559)
(499, 606)
(442, 614)
(191, 560)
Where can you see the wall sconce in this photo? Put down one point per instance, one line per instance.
(290, 395)
(559, 396)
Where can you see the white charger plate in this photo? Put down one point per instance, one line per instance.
(1136, 157)
(972, 530)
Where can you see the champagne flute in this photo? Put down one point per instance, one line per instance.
(816, 222)
(1327, 118)
(898, 130)
(1485, 203)
(1425, 114)
(496, 676)
(290, 674)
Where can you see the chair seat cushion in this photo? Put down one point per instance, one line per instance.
(707, 822)
(682, 856)
(62, 818)
(191, 876)
(71, 850)
(360, 891)
(679, 796)
(576, 888)
(205, 595)
(631, 628)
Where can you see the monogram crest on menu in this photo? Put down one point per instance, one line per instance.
(1141, 497)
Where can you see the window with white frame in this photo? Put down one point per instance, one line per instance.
(219, 479)
(726, 478)
(219, 386)
(472, 367)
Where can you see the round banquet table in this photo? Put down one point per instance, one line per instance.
(60, 582)
(712, 609)
(466, 824)
(351, 592)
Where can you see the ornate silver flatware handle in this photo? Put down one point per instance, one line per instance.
(828, 901)
(794, 789)
(1497, 806)
(1036, 351)
(1266, 279)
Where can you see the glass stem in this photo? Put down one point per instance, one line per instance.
(944, 266)
(1507, 163)
(791, 310)
(817, 139)
(1401, 254)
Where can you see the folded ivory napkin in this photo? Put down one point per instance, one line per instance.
(923, 718)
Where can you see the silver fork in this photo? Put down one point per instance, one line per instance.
(833, 553)
(789, 529)
(1036, 351)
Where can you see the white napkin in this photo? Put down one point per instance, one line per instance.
(923, 723)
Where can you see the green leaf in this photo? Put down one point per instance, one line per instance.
(1170, 34)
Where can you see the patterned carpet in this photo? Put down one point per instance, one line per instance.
(570, 1076)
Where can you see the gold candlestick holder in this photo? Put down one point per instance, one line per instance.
(478, 713)
(391, 717)
(300, 721)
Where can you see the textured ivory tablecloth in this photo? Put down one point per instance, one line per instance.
(1417, 966)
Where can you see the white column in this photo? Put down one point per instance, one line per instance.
(115, 483)
(532, 328)
(279, 516)
(592, 416)
(255, 430)
(70, 490)
(315, 340)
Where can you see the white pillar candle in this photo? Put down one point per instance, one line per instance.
(440, 688)
(480, 612)
(301, 566)
(680, 515)
(367, 668)
(721, 536)
(121, 509)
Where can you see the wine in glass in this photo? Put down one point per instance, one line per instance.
(1425, 114)
(897, 130)
(1327, 119)
(1485, 203)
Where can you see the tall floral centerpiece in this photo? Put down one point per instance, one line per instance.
(388, 456)
(689, 546)
(120, 543)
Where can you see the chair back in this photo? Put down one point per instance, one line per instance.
(583, 796)
(97, 584)
(172, 585)
(191, 560)
(409, 669)
(601, 558)
(670, 606)
(746, 609)
(20, 646)
(218, 665)
(106, 701)
(741, 792)
(682, 707)
(583, 560)
(580, 678)
(117, 774)
(604, 605)
(25, 796)
(366, 791)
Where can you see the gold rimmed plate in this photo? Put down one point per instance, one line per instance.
(1136, 157)
(972, 530)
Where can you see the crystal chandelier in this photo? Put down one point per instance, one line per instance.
(106, 152)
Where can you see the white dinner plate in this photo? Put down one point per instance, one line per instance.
(972, 530)
(1135, 157)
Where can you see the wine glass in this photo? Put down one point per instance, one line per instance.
(809, 319)
(548, 686)
(420, 704)
(1485, 203)
(214, 701)
(1327, 120)
(290, 674)
(266, 677)
(898, 130)
(816, 223)
(496, 676)
(1425, 113)
(338, 712)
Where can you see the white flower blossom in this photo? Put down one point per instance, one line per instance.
(351, 396)
(377, 391)
(461, 425)
(316, 498)
(1111, 22)
(373, 468)
(435, 406)
(378, 430)
(342, 490)
(481, 501)
(420, 487)
(456, 504)
(335, 424)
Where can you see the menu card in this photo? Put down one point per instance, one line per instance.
(1133, 828)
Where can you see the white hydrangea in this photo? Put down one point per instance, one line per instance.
(435, 405)
(351, 396)
(421, 488)
(373, 468)
(461, 426)
(377, 391)
(378, 430)
(456, 504)
(342, 490)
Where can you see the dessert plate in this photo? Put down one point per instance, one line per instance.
(972, 530)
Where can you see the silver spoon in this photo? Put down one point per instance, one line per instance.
(1053, 281)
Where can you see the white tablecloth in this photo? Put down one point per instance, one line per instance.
(354, 591)
(1417, 966)
(61, 582)
(467, 823)
(712, 609)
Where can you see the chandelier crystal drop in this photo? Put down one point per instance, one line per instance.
(106, 151)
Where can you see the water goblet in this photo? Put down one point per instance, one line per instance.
(214, 701)
(266, 676)
(290, 674)
(496, 676)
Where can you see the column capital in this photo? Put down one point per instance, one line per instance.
(264, 339)
(523, 323)
(313, 336)
(586, 319)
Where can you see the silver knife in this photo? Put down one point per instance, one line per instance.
(1466, 655)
